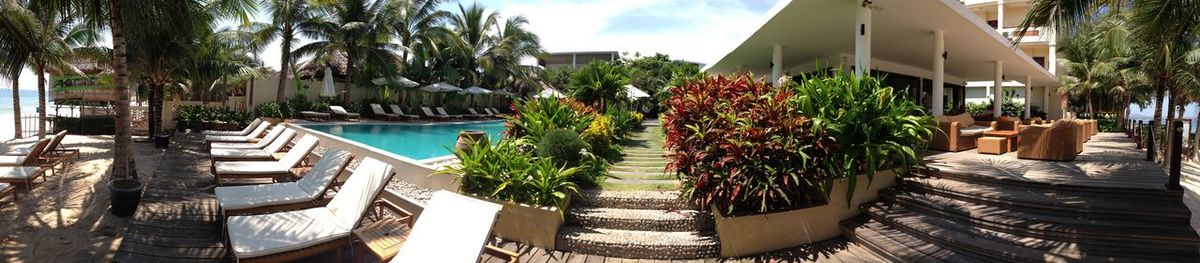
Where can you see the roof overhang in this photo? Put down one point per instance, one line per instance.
(814, 31)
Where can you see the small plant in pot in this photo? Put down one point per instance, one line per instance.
(126, 192)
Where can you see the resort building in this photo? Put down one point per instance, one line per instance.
(1038, 42)
(934, 56)
(575, 60)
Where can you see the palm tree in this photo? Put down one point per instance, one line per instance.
(15, 49)
(357, 28)
(488, 50)
(418, 25)
(55, 38)
(1090, 62)
(286, 17)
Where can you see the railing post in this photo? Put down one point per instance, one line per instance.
(1175, 154)
(1150, 142)
(1137, 134)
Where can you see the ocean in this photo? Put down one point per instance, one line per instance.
(29, 101)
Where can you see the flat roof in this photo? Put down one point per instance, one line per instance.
(814, 30)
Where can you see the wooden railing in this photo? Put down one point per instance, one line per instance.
(1163, 144)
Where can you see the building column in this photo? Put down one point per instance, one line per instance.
(862, 41)
(1052, 59)
(939, 77)
(1028, 96)
(776, 64)
(999, 15)
(998, 90)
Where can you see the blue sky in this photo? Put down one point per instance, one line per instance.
(694, 30)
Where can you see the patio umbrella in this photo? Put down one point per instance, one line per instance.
(327, 89)
(549, 93)
(400, 81)
(475, 90)
(635, 93)
(501, 92)
(440, 87)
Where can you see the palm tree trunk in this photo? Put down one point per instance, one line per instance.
(122, 144)
(1090, 110)
(41, 77)
(1158, 104)
(284, 64)
(16, 108)
(156, 102)
(349, 82)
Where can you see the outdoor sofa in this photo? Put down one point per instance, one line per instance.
(958, 132)
(1054, 142)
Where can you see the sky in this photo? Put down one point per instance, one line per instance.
(692, 30)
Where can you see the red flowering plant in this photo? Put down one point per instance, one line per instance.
(736, 144)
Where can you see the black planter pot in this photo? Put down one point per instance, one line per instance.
(182, 126)
(162, 141)
(126, 194)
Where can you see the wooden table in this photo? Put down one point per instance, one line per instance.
(384, 237)
(1011, 135)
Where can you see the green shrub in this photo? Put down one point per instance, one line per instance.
(502, 171)
(534, 118)
(1011, 107)
(563, 146)
(269, 110)
(624, 120)
(600, 135)
(871, 127)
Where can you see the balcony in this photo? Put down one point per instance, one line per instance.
(1033, 35)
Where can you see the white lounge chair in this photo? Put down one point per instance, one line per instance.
(304, 193)
(442, 112)
(266, 169)
(398, 111)
(31, 158)
(342, 113)
(292, 235)
(55, 141)
(251, 137)
(430, 114)
(451, 228)
(26, 175)
(244, 154)
(378, 110)
(242, 132)
(261, 143)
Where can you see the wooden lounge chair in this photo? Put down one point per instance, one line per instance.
(496, 111)
(379, 112)
(264, 154)
(340, 112)
(8, 190)
(276, 170)
(452, 228)
(261, 143)
(292, 235)
(242, 132)
(251, 137)
(31, 158)
(304, 193)
(54, 143)
(429, 113)
(476, 113)
(398, 111)
(315, 116)
(442, 112)
(25, 175)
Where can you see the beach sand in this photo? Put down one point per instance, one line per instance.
(66, 218)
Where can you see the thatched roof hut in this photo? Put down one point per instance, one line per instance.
(315, 68)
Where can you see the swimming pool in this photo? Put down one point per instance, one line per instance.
(416, 141)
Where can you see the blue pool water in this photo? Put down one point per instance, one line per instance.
(416, 141)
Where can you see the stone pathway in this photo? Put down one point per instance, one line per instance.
(642, 167)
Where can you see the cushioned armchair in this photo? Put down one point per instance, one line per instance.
(958, 133)
(1005, 123)
(1056, 142)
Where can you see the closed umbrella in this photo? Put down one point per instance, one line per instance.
(327, 89)
(635, 93)
(549, 93)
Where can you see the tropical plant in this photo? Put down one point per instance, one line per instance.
(871, 127)
(269, 110)
(487, 49)
(502, 171)
(624, 119)
(286, 16)
(562, 146)
(600, 135)
(599, 83)
(534, 118)
(355, 29)
(738, 146)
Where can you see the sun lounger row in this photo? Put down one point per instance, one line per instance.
(25, 165)
(288, 220)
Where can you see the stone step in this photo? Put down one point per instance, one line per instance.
(644, 159)
(641, 175)
(639, 219)
(658, 155)
(641, 181)
(1035, 223)
(659, 200)
(1100, 206)
(622, 168)
(995, 181)
(638, 244)
(896, 246)
(1008, 247)
(658, 163)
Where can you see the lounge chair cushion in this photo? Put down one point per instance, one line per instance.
(227, 138)
(252, 196)
(252, 168)
(227, 153)
(452, 228)
(235, 145)
(974, 130)
(244, 131)
(12, 160)
(267, 234)
(19, 172)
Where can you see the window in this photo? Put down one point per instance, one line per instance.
(1040, 60)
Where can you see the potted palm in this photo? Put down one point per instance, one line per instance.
(126, 192)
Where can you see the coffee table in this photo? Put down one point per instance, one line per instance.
(1010, 135)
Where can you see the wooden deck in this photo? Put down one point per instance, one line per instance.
(1108, 160)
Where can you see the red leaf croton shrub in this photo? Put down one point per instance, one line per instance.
(735, 143)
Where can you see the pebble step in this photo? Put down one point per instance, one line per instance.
(896, 246)
(1043, 225)
(641, 181)
(659, 200)
(642, 175)
(1008, 247)
(1165, 209)
(640, 219)
(638, 244)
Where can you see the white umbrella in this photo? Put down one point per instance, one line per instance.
(635, 93)
(501, 92)
(327, 89)
(475, 90)
(441, 87)
(402, 81)
(549, 93)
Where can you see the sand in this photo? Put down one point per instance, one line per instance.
(66, 218)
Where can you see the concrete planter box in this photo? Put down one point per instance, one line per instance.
(532, 225)
(755, 234)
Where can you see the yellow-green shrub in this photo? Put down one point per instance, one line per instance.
(600, 134)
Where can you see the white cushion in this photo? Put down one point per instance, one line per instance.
(235, 145)
(252, 196)
(12, 160)
(18, 172)
(228, 153)
(267, 234)
(212, 138)
(359, 191)
(280, 141)
(451, 228)
(19, 151)
(973, 130)
(317, 179)
(244, 131)
(243, 167)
